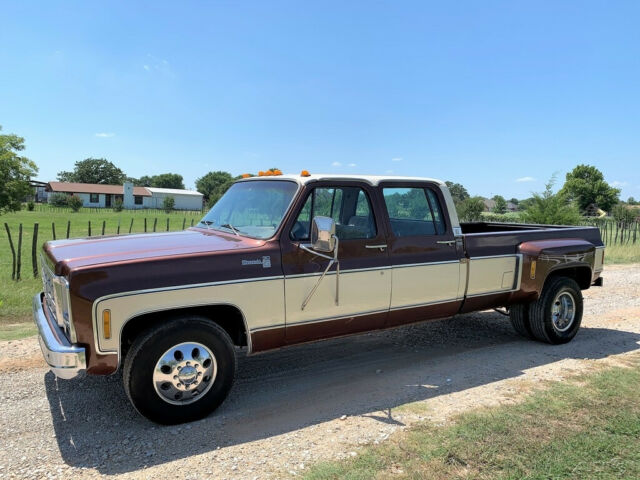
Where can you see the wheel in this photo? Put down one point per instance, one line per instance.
(519, 316)
(179, 371)
(556, 316)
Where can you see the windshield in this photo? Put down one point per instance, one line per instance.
(253, 209)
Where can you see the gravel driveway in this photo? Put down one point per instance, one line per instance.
(294, 407)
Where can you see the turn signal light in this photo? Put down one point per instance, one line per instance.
(533, 270)
(305, 173)
(106, 323)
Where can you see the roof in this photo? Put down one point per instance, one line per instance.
(174, 191)
(371, 179)
(69, 187)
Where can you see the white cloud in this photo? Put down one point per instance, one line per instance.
(396, 159)
(336, 164)
(525, 179)
(146, 67)
(389, 171)
(105, 135)
(353, 165)
(155, 64)
(617, 183)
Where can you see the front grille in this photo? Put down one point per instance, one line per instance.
(56, 299)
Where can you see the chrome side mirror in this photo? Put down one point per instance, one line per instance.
(323, 234)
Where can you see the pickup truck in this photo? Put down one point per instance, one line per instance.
(285, 259)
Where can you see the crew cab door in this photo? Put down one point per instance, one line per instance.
(426, 271)
(365, 277)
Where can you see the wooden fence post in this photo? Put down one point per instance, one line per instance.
(13, 252)
(89, 228)
(155, 223)
(145, 224)
(53, 229)
(118, 227)
(131, 225)
(34, 249)
(19, 262)
(167, 224)
(103, 225)
(192, 222)
(68, 228)
(184, 222)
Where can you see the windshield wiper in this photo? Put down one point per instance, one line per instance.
(207, 223)
(231, 227)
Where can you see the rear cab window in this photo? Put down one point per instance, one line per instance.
(414, 211)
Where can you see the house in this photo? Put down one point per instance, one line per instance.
(490, 204)
(105, 196)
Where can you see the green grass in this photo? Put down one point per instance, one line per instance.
(622, 254)
(15, 297)
(585, 428)
(15, 331)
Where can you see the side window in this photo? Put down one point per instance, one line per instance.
(348, 206)
(414, 211)
(94, 198)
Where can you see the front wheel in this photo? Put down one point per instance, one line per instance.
(179, 371)
(556, 316)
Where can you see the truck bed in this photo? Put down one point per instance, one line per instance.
(493, 238)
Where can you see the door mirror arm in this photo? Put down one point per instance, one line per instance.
(323, 239)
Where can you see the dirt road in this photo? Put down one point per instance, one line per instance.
(291, 408)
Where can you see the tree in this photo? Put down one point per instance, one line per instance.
(15, 173)
(168, 204)
(632, 201)
(94, 170)
(552, 209)
(500, 205)
(59, 199)
(144, 181)
(470, 209)
(625, 214)
(458, 192)
(585, 185)
(167, 180)
(213, 185)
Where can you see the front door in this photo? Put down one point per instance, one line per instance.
(107, 200)
(365, 276)
(423, 255)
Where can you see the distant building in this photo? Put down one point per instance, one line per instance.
(490, 204)
(105, 196)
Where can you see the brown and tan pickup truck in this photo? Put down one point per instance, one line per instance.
(282, 260)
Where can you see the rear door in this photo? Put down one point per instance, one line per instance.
(365, 277)
(426, 269)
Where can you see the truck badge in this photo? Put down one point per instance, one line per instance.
(265, 261)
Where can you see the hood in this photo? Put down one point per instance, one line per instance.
(82, 252)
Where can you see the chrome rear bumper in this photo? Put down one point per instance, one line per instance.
(66, 360)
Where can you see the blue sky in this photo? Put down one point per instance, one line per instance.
(495, 95)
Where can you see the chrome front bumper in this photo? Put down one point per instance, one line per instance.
(66, 360)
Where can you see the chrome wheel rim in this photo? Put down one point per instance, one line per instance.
(563, 311)
(184, 373)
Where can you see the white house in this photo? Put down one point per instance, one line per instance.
(185, 199)
(105, 196)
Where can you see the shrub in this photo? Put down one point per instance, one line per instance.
(58, 199)
(552, 209)
(118, 205)
(31, 206)
(624, 214)
(470, 209)
(75, 203)
(168, 203)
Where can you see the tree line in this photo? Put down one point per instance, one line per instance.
(584, 187)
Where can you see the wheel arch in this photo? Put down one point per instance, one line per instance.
(580, 273)
(228, 316)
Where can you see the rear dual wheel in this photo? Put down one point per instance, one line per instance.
(179, 371)
(555, 317)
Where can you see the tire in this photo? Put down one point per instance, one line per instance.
(562, 294)
(519, 316)
(179, 371)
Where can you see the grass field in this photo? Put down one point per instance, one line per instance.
(585, 428)
(15, 297)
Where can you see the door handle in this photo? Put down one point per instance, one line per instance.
(447, 242)
(381, 247)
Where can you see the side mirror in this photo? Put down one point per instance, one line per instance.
(323, 230)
